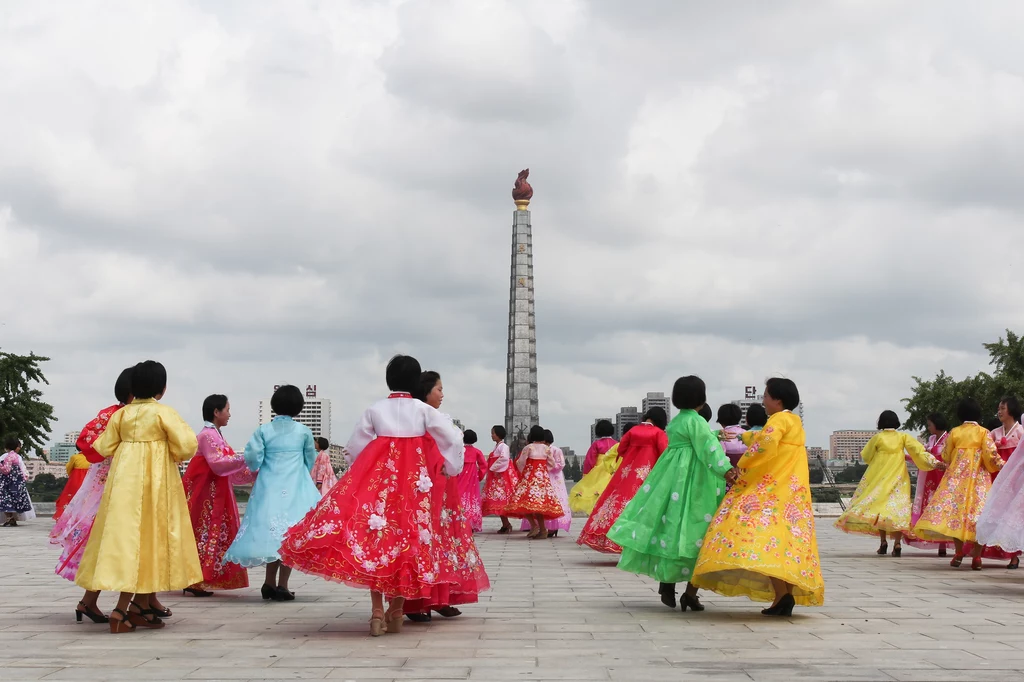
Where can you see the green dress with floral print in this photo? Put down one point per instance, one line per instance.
(662, 528)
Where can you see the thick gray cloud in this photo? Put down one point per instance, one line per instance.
(259, 194)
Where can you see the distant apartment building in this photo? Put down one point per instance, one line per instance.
(35, 466)
(60, 453)
(846, 445)
(71, 437)
(816, 454)
(316, 413)
(337, 454)
(657, 400)
(627, 416)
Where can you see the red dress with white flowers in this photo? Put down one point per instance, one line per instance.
(534, 493)
(376, 528)
(639, 449)
(501, 482)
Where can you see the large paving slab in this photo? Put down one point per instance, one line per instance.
(556, 612)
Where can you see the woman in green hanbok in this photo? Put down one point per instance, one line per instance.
(662, 528)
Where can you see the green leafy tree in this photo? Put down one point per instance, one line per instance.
(942, 393)
(23, 413)
(852, 473)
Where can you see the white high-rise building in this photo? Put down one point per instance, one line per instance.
(71, 437)
(657, 400)
(60, 453)
(627, 416)
(316, 413)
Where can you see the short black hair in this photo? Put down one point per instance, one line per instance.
(469, 437)
(287, 400)
(499, 431)
(1012, 406)
(783, 390)
(403, 373)
(212, 404)
(11, 444)
(756, 415)
(549, 437)
(705, 411)
(939, 421)
(657, 416)
(149, 379)
(626, 428)
(604, 429)
(993, 424)
(968, 410)
(730, 415)
(536, 434)
(888, 420)
(689, 393)
(425, 385)
(322, 443)
(123, 385)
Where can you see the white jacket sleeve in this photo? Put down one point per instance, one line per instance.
(362, 435)
(448, 439)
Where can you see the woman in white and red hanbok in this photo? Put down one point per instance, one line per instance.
(535, 499)
(72, 530)
(323, 471)
(209, 490)
(473, 470)
(928, 482)
(555, 469)
(375, 528)
(501, 482)
(453, 535)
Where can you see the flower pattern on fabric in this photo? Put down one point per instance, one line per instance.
(534, 493)
(72, 530)
(498, 489)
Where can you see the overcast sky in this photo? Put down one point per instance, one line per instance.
(284, 192)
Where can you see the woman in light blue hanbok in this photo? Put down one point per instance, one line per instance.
(283, 453)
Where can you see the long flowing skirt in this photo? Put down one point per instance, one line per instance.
(584, 495)
(957, 503)
(460, 561)
(214, 512)
(563, 522)
(469, 492)
(376, 527)
(72, 529)
(498, 491)
(622, 488)
(1001, 525)
(14, 497)
(534, 494)
(927, 483)
(71, 488)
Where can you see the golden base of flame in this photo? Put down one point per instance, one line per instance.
(522, 204)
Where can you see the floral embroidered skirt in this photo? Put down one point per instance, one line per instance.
(469, 491)
(72, 529)
(498, 490)
(563, 522)
(214, 512)
(534, 494)
(376, 527)
(625, 483)
(957, 503)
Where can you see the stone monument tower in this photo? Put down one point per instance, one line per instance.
(521, 408)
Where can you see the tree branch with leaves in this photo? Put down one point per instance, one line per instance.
(23, 414)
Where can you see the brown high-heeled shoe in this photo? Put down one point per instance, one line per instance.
(534, 532)
(376, 623)
(542, 534)
(145, 618)
(120, 625)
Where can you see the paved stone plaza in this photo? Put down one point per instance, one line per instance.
(557, 612)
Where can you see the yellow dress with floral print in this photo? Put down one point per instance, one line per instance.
(882, 500)
(953, 510)
(764, 527)
(585, 494)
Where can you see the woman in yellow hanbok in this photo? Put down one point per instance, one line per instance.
(881, 503)
(142, 540)
(585, 494)
(955, 506)
(761, 542)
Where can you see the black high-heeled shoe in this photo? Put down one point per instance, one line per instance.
(668, 594)
(897, 551)
(83, 610)
(692, 603)
(267, 592)
(1014, 563)
(784, 608)
(281, 594)
(195, 592)
(419, 617)
(883, 549)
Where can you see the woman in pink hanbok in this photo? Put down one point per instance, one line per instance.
(72, 529)
(928, 481)
(603, 432)
(555, 473)
(323, 471)
(473, 471)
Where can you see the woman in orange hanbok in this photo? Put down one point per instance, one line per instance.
(952, 514)
(761, 542)
(77, 468)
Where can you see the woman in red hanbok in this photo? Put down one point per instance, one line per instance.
(502, 479)
(323, 471)
(376, 527)
(473, 470)
(209, 489)
(639, 449)
(928, 482)
(535, 498)
(77, 468)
